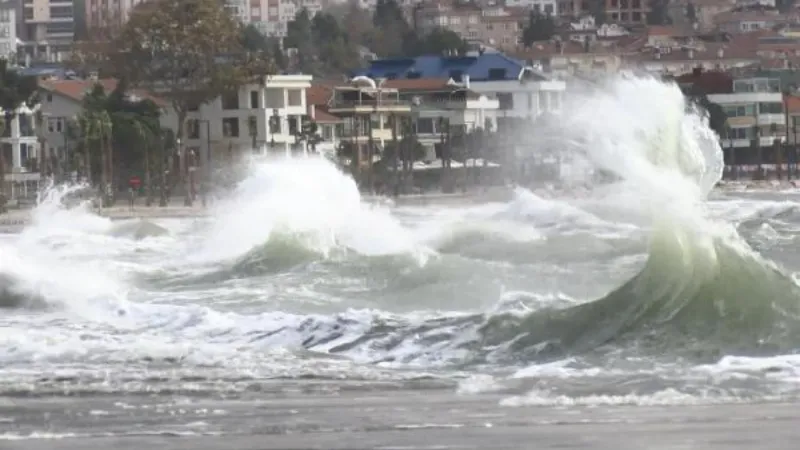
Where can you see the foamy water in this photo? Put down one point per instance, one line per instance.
(294, 275)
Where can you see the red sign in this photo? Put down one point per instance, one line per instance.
(135, 182)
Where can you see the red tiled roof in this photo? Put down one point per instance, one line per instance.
(77, 89)
(418, 84)
(792, 104)
(319, 94)
(323, 116)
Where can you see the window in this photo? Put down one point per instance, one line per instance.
(230, 127)
(636, 16)
(60, 12)
(740, 111)
(193, 129)
(497, 74)
(506, 101)
(60, 27)
(327, 133)
(770, 108)
(637, 3)
(740, 133)
(425, 126)
(548, 9)
(55, 125)
(275, 125)
(254, 99)
(28, 13)
(230, 100)
(295, 97)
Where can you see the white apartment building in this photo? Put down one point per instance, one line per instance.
(259, 118)
(19, 148)
(548, 7)
(102, 12)
(47, 30)
(754, 110)
(273, 16)
(8, 29)
(527, 98)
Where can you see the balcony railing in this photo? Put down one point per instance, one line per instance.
(342, 103)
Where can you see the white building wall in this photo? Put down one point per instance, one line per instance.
(8, 29)
(283, 96)
(529, 99)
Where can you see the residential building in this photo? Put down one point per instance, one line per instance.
(623, 12)
(370, 112)
(8, 29)
(62, 102)
(100, 13)
(272, 17)
(260, 118)
(521, 90)
(547, 7)
(494, 26)
(47, 30)
(329, 126)
(755, 117)
(442, 108)
(21, 152)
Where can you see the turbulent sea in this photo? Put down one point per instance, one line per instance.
(653, 290)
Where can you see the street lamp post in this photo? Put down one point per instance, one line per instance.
(205, 179)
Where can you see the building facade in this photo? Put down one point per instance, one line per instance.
(46, 30)
(521, 91)
(263, 118)
(8, 29)
(755, 118)
(20, 150)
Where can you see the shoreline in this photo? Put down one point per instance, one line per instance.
(16, 219)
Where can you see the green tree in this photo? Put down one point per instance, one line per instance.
(118, 132)
(440, 41)
(716, 114)
(391, 36)
(299, 36)
(96, 128)
(15, 91)
(266, 47)
(540, 27)
(189, 52)
(659, 13)
(691, 12)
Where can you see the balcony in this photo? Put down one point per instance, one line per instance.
(349, 101)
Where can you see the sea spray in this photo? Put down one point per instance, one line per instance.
(308, 198)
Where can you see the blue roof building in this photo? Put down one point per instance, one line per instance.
(522, 91)
(480, 67)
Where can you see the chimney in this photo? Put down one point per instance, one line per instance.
(465, 80)
(690, 53)
(312, 111)
(721, 53)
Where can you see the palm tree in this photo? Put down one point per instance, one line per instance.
(146, 130)
(96, 128)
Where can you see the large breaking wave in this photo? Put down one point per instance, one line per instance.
(702, 292)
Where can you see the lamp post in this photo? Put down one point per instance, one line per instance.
(274, 124)
(205, 163)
